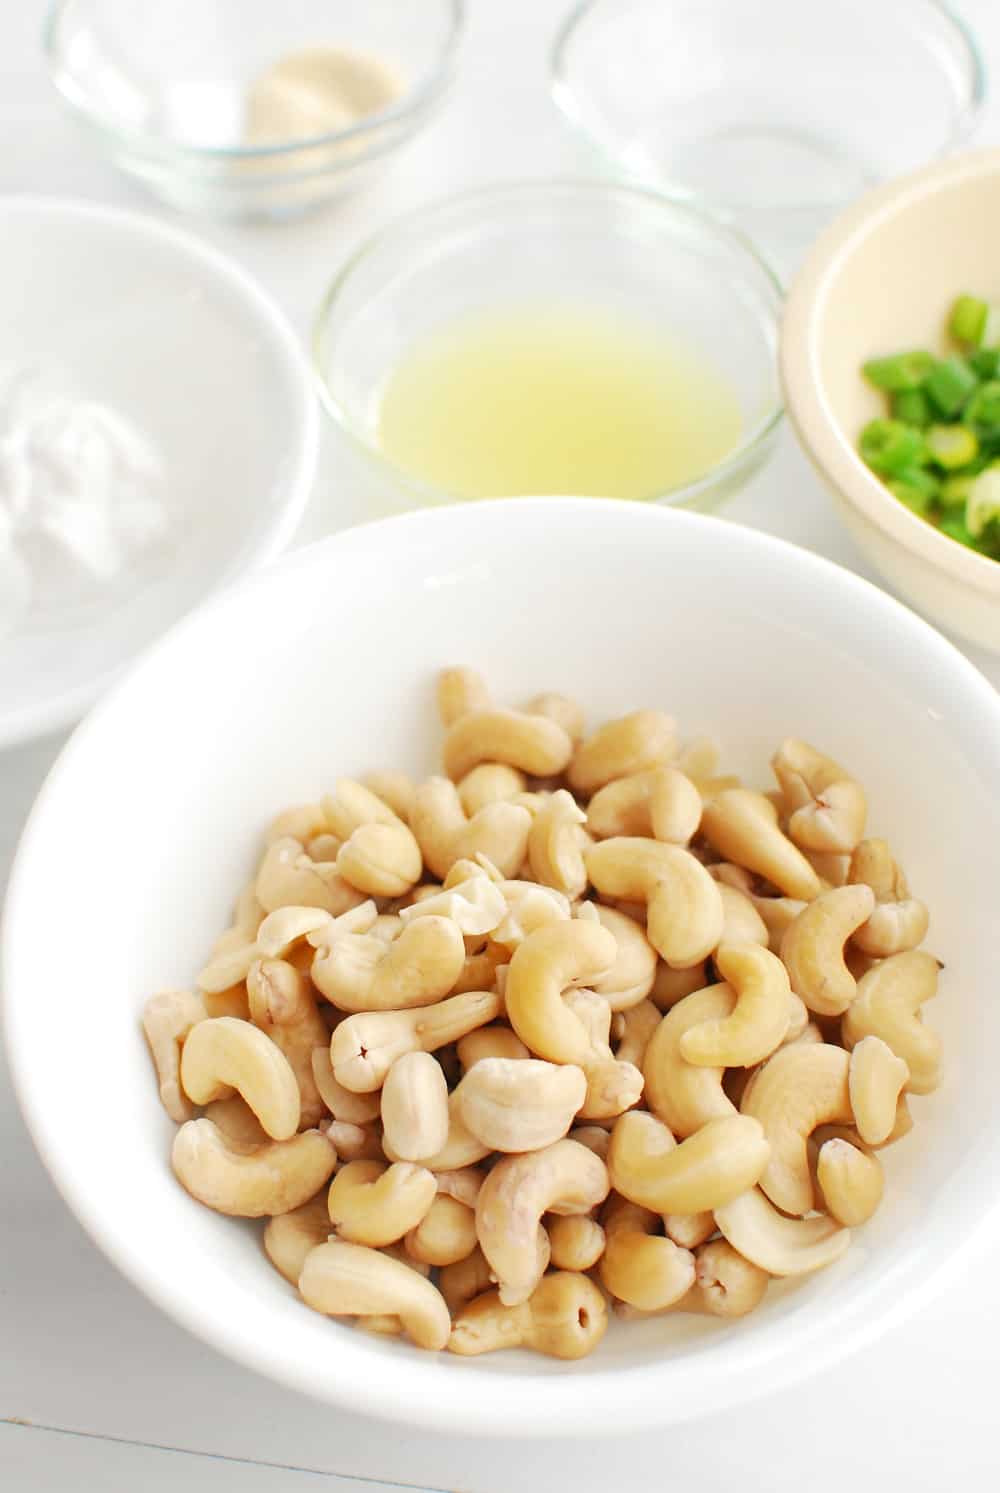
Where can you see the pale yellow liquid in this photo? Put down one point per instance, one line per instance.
(555, 400)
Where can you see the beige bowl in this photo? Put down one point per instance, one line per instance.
(879, 280)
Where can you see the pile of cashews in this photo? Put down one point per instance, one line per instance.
(578, 1023)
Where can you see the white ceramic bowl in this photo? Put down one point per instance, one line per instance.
(185, 345)
(882, 279)
(325, 664)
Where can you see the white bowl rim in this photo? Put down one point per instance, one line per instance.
(63, 709)
(534, 1404)
(830, 449)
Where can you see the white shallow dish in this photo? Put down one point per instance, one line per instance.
(183, 343)
(324, 665)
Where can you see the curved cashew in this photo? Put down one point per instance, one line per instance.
(661, 802)
(298, 822)
(800, 1087)
(888, 1006)
(684, 1096)
(519, 1104)
(462, 1184)
(689, 1229)
(222, 1054)
(555, 845)
(777, 914)
(549, 961)
(620, 748)
(395, 789)
(462, 1149)
(323, 847)
(364, 1047)
(631, 977)
(760, 1020)
(826, 808)
(780, 1245)
(743, 827)
(532, 743)
(357, 972)
(490, 783)
(562, 1178)
(415, 1106)
(489, 1042)
(704, 1172)
(239, 1125)
(742, 923)
(831, 867)
(343, 1104)
(812, 948)
(445, 1234)
(726, 1284)
(289, 1237)
(445, 835)
(167, 1019)
(684, 909)
(288, 877)
(850, 1180)
(672, 985)
(576, 1241)
(565, 711)
(464, 1280)
(639, 1266)
(460, 690)
(612, 1085)
(282, 1004)
(639, 1024)
(373, 1203)
(348, 1280)
(381, 860)
(876, 1078)
(899, 921)
(565, 1317)
(351, 805)
(272, 1178)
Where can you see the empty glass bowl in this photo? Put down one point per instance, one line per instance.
(227, 108)
(775, 114)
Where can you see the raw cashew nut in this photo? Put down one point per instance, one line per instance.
(686, 1097)
(639, 1023)
(489, 1042)
(639, 1266)
(566, 1317)
(826, 808)
(777, 914)
(672, 985)
(289, 1237)
(529, 907)
(373, 1203)
(661, 802)
(167, 1019)
(300, 822)
(562, 1178)
(631, 977)
(381, 860)
(594, 1137)
(876, 1078)
(288, 877)
(222, 1054)
(445, 1234)
(689, 1229)
(742, 923)
(272, 1178)
(850, 1180)
(621, 748)
(726, 1284)
(282, 1003)
(898, 921)
(612, 1086)
(555, 845)
(462, 1149)
(348, 1280)
(704, 1172)
(800, 1087)
(460, 690)
(759, 1022)
(415, 1106)
(576, 1241)
(445, 834)
(549, 961)
(364, 1047)
(743, 827)
(684, 909)
(395, 789)
(355, 1142)
(489, 783)
(462, 1184)
(812, 948)
(532, 743)
(888, 1006)
(239, 1125)
(564, 711)
(357, 972)
(519, 1104)
(343, 1104)
(477, 905)
(780, 1245)
(464, 1280)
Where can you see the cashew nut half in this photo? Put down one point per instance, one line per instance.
(576, 1241)
(812, 948)
(709, 1169)
(490, 783)
(445, 1234)
(639, 1266)
(621, 748)
(167, 1019)
(780, 1245)
(373, 1203)
(743, 827)
(350, 1280)
(222, 1054)
(888, 1006)
(759, 1022)
(289, 1237)
(684, 1096)
(684, 916)
(800, 1087)
(445, 835)
(555, 845)
(272, 1178)
(532, 743)
(565, 1317)
(850, 1180)
(898, 921)
(282, 1002)
(415, 1106)
(549, 961)
(876, 1078)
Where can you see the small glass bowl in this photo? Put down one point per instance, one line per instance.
(615, 248)
(773, 114)
(164, 87)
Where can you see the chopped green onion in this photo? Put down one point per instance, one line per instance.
(903, 371)
(955, 490)
(968, 319)
(949, 384)
(915, 487)
(983, 502)
(952, 446)
(985, 362)
(982, 413)
(887, 446)
(991, 331)
(912, 407)
(956, 528)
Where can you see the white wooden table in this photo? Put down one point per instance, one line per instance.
(97, 1389)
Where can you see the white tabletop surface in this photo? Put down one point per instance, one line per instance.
(97, 1389)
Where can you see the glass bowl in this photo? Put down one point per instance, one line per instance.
(619, 250)
(172, 92)
(776, 114)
